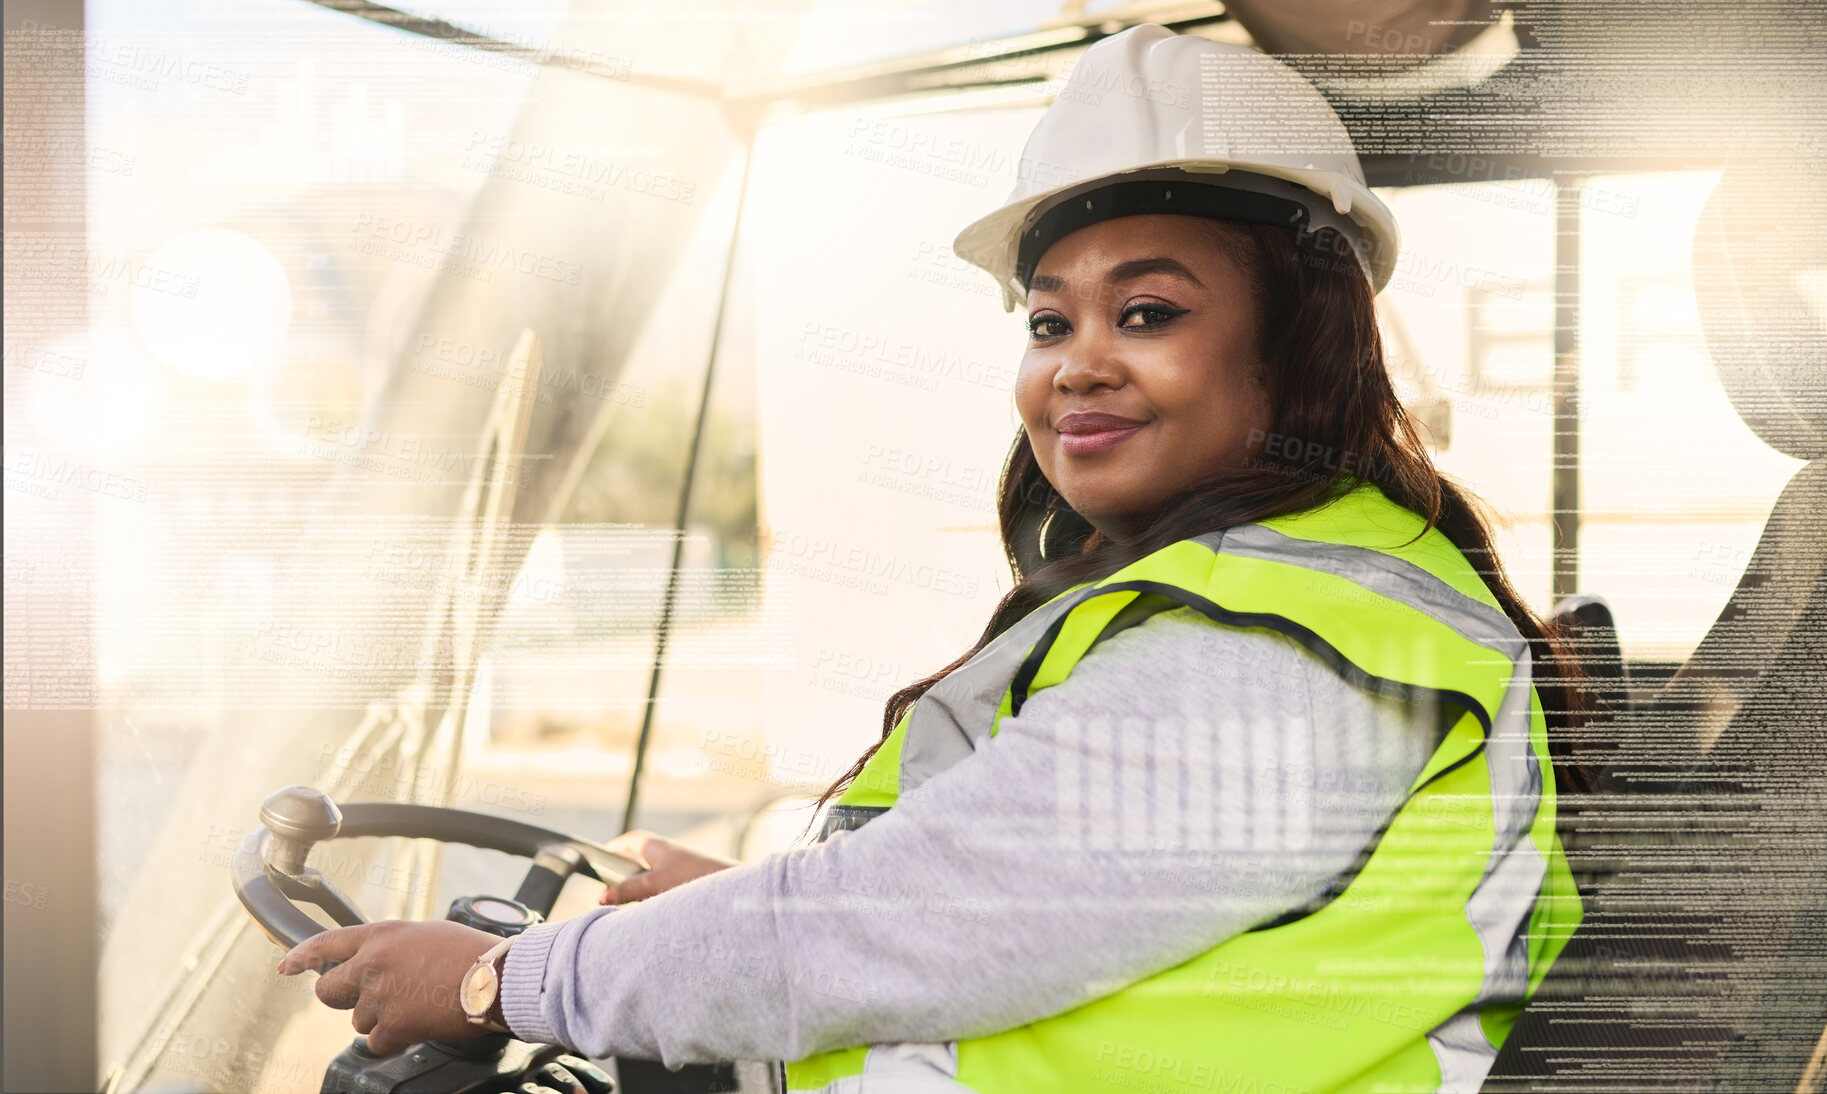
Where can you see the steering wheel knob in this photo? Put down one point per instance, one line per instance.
(298, 816)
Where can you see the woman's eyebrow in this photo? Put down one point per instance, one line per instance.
(1121, 272)
(1138, 267)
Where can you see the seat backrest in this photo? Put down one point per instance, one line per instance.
(1760, 280)
(1590, 632)
(1702, 961)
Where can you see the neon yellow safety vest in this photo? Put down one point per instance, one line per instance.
(1408, 975)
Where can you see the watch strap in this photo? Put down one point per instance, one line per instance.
(495, 1015)
(496, 957)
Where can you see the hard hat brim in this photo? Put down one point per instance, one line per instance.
(992, 242)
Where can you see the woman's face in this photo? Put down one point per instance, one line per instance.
(1141, 376)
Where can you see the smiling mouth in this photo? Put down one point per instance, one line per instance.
(1087, 444)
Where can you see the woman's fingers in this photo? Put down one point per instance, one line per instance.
(338, 989)
(325, 947)
(639, 887)
(367, 1015)
(668, 866)
(402, 980)
(633, 844)
(638, 845)
(383, 1043)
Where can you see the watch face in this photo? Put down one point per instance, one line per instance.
(499, 911)
(479, 990)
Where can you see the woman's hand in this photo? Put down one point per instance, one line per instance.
(667, 865)
(403, 980)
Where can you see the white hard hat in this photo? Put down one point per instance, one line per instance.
(1247, 138)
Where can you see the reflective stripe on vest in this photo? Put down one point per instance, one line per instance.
(1409, 972)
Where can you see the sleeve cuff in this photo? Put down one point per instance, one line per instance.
(523, 979)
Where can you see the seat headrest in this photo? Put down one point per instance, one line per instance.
(1760, 279)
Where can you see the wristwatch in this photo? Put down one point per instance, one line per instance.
(481, 989)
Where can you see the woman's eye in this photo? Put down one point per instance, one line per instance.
(1152, 315)
(1046, 326)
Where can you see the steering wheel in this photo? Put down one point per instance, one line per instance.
(270, 872)
(270, 878)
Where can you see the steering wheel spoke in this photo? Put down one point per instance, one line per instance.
(270, 874)
(312, 886)
(553, 865)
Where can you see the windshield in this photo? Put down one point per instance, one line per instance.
(400, 347)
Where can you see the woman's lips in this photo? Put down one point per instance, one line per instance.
(1085, 444)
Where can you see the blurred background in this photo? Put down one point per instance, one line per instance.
(477, 404)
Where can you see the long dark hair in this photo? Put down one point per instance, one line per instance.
(1334, 415)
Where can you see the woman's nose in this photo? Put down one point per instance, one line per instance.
(1090, 362)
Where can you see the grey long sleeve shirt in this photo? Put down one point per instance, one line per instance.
(1185, 782)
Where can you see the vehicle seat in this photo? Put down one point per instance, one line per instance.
(1590, 632)
(1702, 959)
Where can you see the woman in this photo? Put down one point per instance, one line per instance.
(1246, 784)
